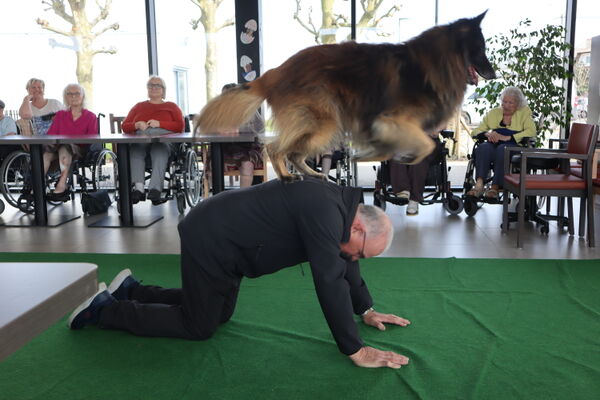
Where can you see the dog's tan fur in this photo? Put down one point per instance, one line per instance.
(388, 96)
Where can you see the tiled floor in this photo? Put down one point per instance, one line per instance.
(432, 233)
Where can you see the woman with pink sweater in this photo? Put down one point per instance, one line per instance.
(75, 120)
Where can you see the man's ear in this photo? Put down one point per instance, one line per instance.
(357, 225)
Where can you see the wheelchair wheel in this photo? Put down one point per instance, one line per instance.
(471, 206)
(105, 174)
(15, 175)
(25, 203)
(192, 179)
(454, 205)
(181, 202)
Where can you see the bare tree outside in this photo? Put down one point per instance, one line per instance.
(208, 20)
(582, 77)
(330, 21)
(83, 35)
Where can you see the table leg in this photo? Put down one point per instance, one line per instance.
(38, 182)
(216, 165)
(124, 184)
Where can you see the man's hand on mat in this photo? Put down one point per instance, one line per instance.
(378, 319)
(370, 357)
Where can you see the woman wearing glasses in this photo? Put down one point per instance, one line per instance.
(75, 120)
(153, 116)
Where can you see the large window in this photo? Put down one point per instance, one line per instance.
(586, 85)
(29, 51)
(283, 35)
(200, 55)
(181, 89)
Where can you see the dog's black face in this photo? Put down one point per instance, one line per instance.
(475, 58)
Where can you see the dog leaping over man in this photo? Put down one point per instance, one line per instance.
(386, 95)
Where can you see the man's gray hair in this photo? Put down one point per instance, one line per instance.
(516, 93)
(376, 223)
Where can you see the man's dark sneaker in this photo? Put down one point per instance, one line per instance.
(137, 196)
(121, 286)
(88, 312)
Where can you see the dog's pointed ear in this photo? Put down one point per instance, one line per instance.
(477, 20)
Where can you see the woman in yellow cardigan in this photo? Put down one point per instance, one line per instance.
(504, 126)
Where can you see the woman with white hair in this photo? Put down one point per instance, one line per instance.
(75, 120)
(504, 126)
(153, 116)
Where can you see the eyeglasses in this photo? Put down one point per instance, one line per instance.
(361, 254)
(73, 94)
(155, 86)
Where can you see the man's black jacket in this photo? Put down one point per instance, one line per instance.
(262, 229)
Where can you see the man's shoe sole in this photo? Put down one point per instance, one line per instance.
(118, 280)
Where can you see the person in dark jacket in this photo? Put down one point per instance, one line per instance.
(253, 232)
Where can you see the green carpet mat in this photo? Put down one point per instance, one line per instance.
(481, 329)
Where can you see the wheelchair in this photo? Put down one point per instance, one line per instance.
(97, 170)
(472, 203)
(184, 177)
(437, 186)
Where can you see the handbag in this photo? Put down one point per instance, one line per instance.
(95, 202)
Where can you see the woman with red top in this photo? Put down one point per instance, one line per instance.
(154, 116)
(75, 120)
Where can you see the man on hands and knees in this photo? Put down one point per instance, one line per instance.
(254, 232)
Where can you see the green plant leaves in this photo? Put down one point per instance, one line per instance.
(536, 61)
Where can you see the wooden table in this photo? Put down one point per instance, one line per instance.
(33, 296)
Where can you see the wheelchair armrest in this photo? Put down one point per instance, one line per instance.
(514, 152)
(447, 134)
(527, 141)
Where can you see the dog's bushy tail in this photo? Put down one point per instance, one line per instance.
(229, 110)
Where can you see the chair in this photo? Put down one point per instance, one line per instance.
(115, 123)
(580, 146)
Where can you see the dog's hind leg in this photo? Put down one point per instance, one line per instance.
(400, 136)
(316, 137)
(278, 161)
(299, 161)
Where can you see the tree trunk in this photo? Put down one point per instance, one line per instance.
(327, 23)
(85, 73)
(208, 19)
(85, 54)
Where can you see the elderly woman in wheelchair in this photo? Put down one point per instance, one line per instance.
(504, 126)
(75, 120)
(153, 116)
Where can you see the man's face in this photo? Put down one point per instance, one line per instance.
(354, 248)
(361, 245)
